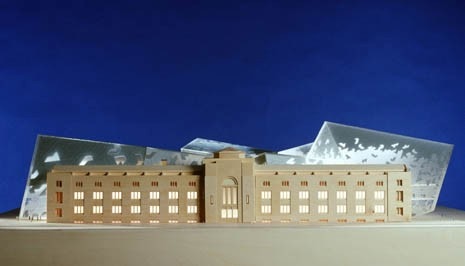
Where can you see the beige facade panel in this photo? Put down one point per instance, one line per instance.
(229, 189)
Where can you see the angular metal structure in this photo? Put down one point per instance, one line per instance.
(427, 160)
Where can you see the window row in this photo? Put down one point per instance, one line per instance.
(135, 209)
(117, 195)
(323, 195)
(286, 209)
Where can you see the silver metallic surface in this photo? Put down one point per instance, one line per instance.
(50, 151)
(155, 156)
(273, 159)
(207, 147)
(427, 160)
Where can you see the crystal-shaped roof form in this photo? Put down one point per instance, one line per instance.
(427, 160)
(207, 147)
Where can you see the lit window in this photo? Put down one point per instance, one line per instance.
(79, 195)
(154, 195)
(285, 209)
(135, 195)
(303, 194)
(322, 195)
(341, 194)
(97, 209)
(154, 221)
(304, 209)
(191, 221)
(135, 209)
(192, 195)
(266, 194)
(379, 208)
(135, 221)
(97, 195)
(154, 209)
(173, 221)
(78, 209)
(191, 209)
(116, 195)
(116, 209)
(359, 208)
(341, 208)
(360, 195)
(322, 208)
(379, 195)
(285, 194)
(400, 196)
(173, 195)
(266, 208)
(173, 209)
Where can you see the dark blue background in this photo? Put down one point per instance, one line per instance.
(259, 74)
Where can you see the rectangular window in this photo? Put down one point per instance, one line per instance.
(78, 195)
(192, 183)
(154, 209)
(117, 184)
(285, 209)
(304, 183)
(360, 195)
(266, 183)
(400, 196)
(173, 183)
(399, 182)
(284, 194)
(98, 195)
(173, 209)
(135, 184)
(323, 183)
(341, 183)
(379, 195)
(285, 183)
(154, 183)
(116, 195)
(322, 195)
(135, 209)
(78, 209)
(379, 208)
(59, 197)
(359, 208)
(116, 209)
(59, 212)
(379, 183)
(341, 194)
(303, 195)
(135, 195)
(191, 209)
(79, 184)
(98, 183)
(172, 195)
(97, 209)
(360, 183)
(154, 195)
(192, 195)
(135, 221)
(304, 209)
(266, 194)
(266, 208)
(400, 211)
(59, 183)
(322, 208)
(341, 208)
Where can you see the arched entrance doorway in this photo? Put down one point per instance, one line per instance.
(229, 208)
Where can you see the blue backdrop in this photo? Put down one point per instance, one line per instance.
(260, 74)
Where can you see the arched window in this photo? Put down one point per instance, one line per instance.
(229, 209)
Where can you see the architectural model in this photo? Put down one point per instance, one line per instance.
(229, 188)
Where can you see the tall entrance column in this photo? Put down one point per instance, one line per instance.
(229, 187)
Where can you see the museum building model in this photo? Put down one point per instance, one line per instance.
(229, 188)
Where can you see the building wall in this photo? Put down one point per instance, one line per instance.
(229, 189)
(118, 196)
